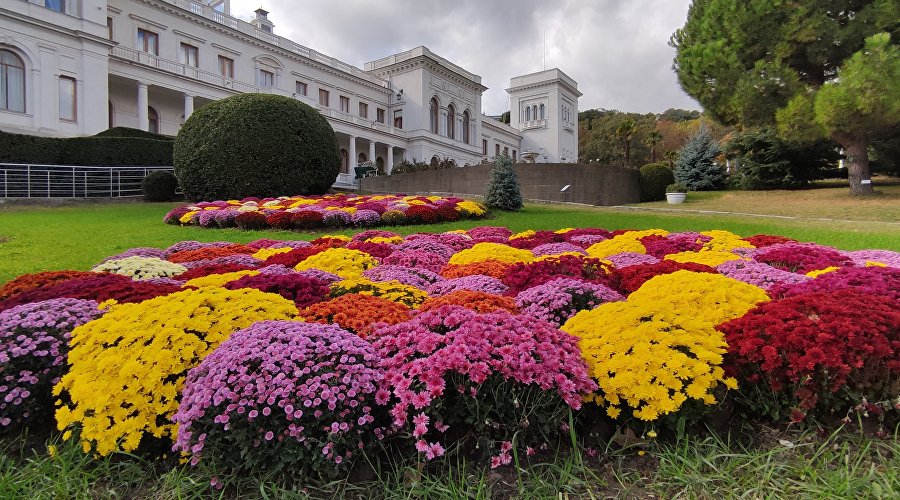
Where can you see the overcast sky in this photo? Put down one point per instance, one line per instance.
(617, 50)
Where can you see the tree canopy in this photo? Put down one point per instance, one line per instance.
(816, 68)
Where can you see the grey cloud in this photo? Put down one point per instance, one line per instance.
(615, 49)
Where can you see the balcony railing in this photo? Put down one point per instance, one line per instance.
(177, 68)
(247, 28)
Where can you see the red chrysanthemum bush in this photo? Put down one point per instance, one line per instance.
(209, 253)
(357, 313)
(94, 286)
(766, 240)
(819, 353)
(873, 280)
(281, 220)
(295, 256)
(802, 257)
(303, 290)
(480, 302)
(453, 376)
(537, 239)
(377, 250)
(307, 219)
(520, 276)
(28, 282)
(633, 277)
(420, 214)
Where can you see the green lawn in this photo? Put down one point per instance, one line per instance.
(78, 236)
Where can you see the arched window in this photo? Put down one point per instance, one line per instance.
(465, 126)
(534, 111)
(542, 111)
(344, 163)
(451, 122)
(527, 113)
(12, 82)
(361, 158)
(435, 162)
(153, 119)
(433, 113)
(379, 164)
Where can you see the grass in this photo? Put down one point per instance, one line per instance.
(778, 465)
(78, 236)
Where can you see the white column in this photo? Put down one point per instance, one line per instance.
(143, 103)
(188, 106)
(372, 151)
(389, 161)
(352, 155)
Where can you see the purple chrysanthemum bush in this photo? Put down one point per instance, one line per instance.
(558, 300)
(457, 377)
(33, 346)
(282, 395)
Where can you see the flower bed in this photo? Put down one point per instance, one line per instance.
(331, 211)
(438, 342)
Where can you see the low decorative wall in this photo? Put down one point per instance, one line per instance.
(588, 184)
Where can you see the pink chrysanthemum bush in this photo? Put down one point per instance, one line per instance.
(34, 341)
(282, 396)
(558, 300)
(454, 376)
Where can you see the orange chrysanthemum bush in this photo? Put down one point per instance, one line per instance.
(28, 282)
(480, 302)
(659, 350)
(128, 367)
(492, 268)
(357, 312)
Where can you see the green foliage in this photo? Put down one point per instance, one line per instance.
(504, 118)
(503, 186)
(886, 153)
(159, 185)
(696, 165)
(256, 145)
(654, 179)
(676, 188)
(20, 148)
(765, 161)
(133, 132)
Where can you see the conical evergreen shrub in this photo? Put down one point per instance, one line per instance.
(696, 165)
(503, 187)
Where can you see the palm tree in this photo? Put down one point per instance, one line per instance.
(651, 140)
(625, 133)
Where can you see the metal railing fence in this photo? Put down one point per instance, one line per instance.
(70, 181)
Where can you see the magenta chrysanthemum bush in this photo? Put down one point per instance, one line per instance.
(453, 375)
(475, 283)
(419, 278)
(871, 280)
(282, 396)
(558, 300)
(34, 341)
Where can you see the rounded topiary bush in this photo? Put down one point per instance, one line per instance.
(259, 145)
(159, 185)
(654, 179)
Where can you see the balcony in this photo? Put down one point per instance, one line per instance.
(248, 29)
(533, 124)
(177, 68)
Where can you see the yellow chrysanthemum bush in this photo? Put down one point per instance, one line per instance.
(491, 251)
(128, 367)
(659, 350)
(343, 262)
(625, 242)
(392, 290)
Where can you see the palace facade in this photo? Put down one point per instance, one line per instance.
(77, 67)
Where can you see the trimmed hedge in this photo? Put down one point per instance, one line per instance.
(21, 148)
(133, 132)
(654, 179)
(159, 185)
(260, 145)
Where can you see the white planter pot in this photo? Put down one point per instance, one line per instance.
(675, 198)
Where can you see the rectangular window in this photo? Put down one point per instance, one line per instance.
(514, 155)
(148, 41)
(57, 5)
(323, 97)
(505, 151)
(226, 66)
(67, 104)
(484, 147)
(363, 110)
(189, 55)
(301, 88)
(497, 150)
(266, 78)
(109, 30)
(379, 115)
(345, 104)
(398, 118)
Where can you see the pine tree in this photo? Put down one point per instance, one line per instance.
(696, 165)
(503, 187)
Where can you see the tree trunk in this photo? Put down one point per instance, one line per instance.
(857, 151)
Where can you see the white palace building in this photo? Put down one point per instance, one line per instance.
(78, 67)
